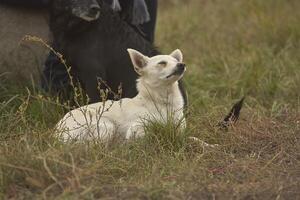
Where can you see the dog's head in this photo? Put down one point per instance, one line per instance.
(158, 70)
(87, 10)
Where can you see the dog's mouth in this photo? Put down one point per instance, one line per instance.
(175, 73)
(91, 14)
(180, 69)
(89, 17)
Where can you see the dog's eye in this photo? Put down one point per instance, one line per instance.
(163, 63)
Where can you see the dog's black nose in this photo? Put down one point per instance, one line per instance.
(94, 10)
(180, 67)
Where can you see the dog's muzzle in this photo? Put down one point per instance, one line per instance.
(180, 69)
(92, 13)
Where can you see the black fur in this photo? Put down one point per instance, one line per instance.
(99, 48)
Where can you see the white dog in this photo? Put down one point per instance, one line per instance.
(159, 98)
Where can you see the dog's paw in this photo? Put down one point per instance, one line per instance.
(104, 131)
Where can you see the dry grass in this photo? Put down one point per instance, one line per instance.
(232, 48)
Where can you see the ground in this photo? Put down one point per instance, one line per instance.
(232, 49)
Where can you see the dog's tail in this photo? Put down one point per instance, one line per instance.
(232, 116)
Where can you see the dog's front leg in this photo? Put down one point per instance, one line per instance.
(135, 130)
(104, 130)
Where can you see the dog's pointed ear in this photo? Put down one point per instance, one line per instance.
(138, 60)
(177, 54)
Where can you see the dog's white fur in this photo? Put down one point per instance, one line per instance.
(159, 98)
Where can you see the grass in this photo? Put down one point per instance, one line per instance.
(232, 48)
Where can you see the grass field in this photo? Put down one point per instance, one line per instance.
(232, 48)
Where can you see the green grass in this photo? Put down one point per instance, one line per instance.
(232, 49)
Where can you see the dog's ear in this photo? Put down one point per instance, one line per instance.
(138, 60)
(177, 54)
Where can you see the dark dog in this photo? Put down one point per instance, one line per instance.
(97, 48)
(94, 39)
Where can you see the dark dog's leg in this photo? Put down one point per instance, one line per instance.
(92, 85)
(91, 75)
(183, 93)
(233, 115)
(55, 79)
